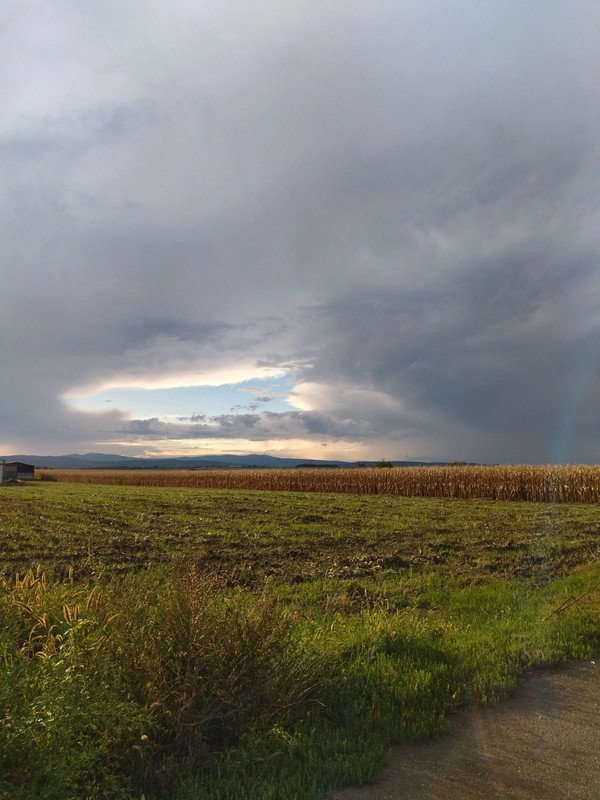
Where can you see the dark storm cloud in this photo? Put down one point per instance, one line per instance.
(397, 202)
(503, 357)
(254, 427)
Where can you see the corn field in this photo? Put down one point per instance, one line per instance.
(551, 484)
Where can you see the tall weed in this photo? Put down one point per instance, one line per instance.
(213, 662)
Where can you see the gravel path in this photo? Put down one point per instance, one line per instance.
(542, 744)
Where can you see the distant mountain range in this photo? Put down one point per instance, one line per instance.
(109, 461)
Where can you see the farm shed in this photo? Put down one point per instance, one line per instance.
(16, 470)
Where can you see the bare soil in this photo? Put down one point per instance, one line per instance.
(541, 744)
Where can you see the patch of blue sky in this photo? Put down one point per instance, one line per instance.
(183, 402)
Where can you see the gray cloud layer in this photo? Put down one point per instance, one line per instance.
(398, 199)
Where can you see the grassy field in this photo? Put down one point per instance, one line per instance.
(168, 642)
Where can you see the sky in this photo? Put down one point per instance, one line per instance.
(312, 228)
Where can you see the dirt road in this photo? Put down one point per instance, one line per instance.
(542, 744)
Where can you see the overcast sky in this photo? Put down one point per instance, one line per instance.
(323, 228)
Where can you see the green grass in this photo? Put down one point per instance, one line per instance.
(184, 643)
